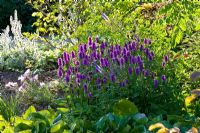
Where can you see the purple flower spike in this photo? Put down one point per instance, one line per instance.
(132, 60)
(124, 51)
(67, 78)
(163, 78)
(139, 59)
(111, 55)
(90, 95)
(85, 61)
(122, 84)
(104, 81)
(112, 77)
(137, 71)
(128, 54)
(130, 70)
(145, 41)
(122, 61)
(141, 47)
(150, 57)
(90, 41)
(98, 81)
(166, 58)
(60, 72)
(69, 71)
(60, 62)
(102, 46)
(145, 73)
(78, 80)
(85, 87)
(163, 64)
(73, 54)
(155, 83)
(94, 46)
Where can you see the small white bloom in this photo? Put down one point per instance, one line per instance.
(11, 84)
(21, 78)
(42, 84)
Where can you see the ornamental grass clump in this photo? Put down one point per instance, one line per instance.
(117, 70)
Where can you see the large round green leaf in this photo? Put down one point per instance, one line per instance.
(125, 107)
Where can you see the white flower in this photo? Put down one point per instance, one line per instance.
(42, 84)
(21, 78)
(11, 85)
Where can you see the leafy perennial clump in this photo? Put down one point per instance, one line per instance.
(98, 66)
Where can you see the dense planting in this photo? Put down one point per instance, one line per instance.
(101, 66)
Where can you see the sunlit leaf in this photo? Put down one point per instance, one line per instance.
(189, 99)
(157, 125)
(124, 107)
(163, 130)
(30, 110)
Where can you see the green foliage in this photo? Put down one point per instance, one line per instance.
(32, 121)
(8, 107)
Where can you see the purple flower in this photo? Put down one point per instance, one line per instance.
(111, 55)
(98, 81)
(145, 73)
(112, 78)
(150, 57)
(69, 71)
(104, 81)
(67, 78)
(80, 55)
(141, 47)
(130, 47)
(128, 53)
(163, 64)
(60, 72)
(102, 46)
(73, 54)
(163, 78)
(85, 61)
(106, 62)
(94, 46)
(85, 87)
(141, 66)
(122, 61)
(166, 58)
(137, 71)
(60, 62)
(138, 59)
(155, 83)
(145, 41)
(90, 95)
(132, 60)
(122, 84)
(78, 80)
(130, 70)
(124, 50)
(102, 62)
(90, 41)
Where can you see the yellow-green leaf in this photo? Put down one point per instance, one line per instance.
(157, 125)
(30, 110)
(189, 99)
